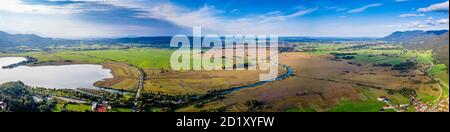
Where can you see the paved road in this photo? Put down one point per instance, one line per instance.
(393, 107)
(139, 88)
(439, 100)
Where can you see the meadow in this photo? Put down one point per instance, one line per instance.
(387, 54)
(341, 86)
(382, 54)
(338, 87)
(138, 57)
(372, 54)
(155, 63)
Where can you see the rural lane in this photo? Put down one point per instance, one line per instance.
(139, 89)
(439, 100)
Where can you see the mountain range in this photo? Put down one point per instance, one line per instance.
(437, 40)
(32, 40)
(416, 36)
(12, 40)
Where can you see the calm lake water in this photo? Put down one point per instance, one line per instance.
(59, 77)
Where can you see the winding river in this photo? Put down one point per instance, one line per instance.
(288, 73)
(58, 77)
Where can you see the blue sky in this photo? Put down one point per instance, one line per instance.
(123, 18)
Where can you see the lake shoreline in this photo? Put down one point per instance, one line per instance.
(28, 60)
(38, 63)
(34, 68)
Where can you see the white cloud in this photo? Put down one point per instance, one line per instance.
(439, 7)
(362, 9)
(416, 25)
(209, 18)
(427, 23)
(278, 16)
(60, 21)
(412, 15)
(430, 21)
(60, 27)
(17, 6)
(442, 21)
(394, 26)
(337, 9)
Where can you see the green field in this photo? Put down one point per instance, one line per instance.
(380, 54)
(297, 109)
(121, 110)
(358, 106)
(73, 107)
(384, 55)
(440, 71)
(139, 57)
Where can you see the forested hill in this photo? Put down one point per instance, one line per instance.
(437, 40)
(13, 40)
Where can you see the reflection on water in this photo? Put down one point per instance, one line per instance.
(59, 77)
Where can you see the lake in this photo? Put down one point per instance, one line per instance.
(58, 77)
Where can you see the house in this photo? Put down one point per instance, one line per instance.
(94, 106)
(388, 107)
(100, 107)
(380, 99)
(2, 105)
(404, 105)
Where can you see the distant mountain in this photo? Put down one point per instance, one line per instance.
(438, 41)
(440, 46)
(11, 40)
(416, 36)
(32, 40)
(143, 41)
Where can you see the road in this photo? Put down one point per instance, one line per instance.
(139, 89)
(393, 107)
(439, 100)
(69, 100)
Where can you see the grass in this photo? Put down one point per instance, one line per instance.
(125, 77)
(143, 58)
(369, 102)
(73, 107)
(390, 110)
(440, 71)
(446, 90)
(121, 110)
(139, 57)
(358, 106)
(300, 109)
(374, 54)
(426, 97)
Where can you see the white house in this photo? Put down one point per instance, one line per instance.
(2, 105)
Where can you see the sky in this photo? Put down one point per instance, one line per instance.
(132, 18)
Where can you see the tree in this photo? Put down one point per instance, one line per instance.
(18, 98)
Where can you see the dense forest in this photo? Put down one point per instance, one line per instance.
(17, 97)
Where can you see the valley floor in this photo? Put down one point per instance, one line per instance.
(325, 79)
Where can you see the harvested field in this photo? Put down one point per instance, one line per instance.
(196, 82)
(125, 77)
(320, 84)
